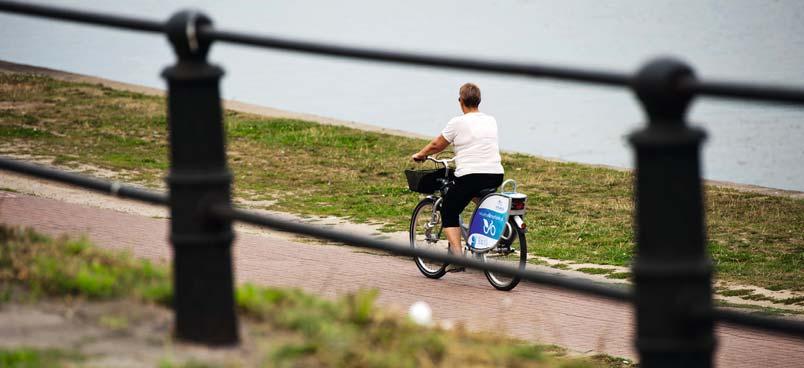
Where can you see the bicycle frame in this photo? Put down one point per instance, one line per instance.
(517, 214)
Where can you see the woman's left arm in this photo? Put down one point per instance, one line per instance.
(435, 146)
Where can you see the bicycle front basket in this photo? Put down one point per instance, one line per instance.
(424, 181)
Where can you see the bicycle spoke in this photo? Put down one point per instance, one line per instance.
(426, 234)
(512, 255)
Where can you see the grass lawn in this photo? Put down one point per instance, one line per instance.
(575, 212)
(289, 327)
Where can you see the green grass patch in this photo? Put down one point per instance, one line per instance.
(168, 363)
(793, 300)
(21, 132)
(757, 309)
(595, 270)
(619, 275)
(114, 322)
(749, 294)
(737, 292)
(758, 297)
(62, 267)
(575, 212)
(36, 358)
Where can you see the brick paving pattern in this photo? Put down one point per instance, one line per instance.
(532, 312)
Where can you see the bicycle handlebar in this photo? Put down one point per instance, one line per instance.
(444, 162)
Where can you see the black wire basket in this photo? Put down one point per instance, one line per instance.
(424, 181)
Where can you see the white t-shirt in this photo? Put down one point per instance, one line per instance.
(474, 136)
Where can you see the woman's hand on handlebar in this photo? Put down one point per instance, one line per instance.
(418, 157)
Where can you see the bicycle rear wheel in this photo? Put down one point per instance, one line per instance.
(512, 251)
(425, 233)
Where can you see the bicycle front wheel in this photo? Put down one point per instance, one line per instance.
(513, 251)
(425, 233)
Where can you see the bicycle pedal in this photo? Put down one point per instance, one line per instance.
(456, 269)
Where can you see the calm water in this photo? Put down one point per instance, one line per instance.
(729, 39)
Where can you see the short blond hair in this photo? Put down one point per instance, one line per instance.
(470, 95)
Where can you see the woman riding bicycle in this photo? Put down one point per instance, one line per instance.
(477, 160)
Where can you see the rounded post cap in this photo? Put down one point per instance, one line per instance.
(182, 30)
(657, 87)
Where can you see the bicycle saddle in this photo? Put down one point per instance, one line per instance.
(484, 192)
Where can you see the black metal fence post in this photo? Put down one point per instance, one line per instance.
(198, 178)
(672, 272)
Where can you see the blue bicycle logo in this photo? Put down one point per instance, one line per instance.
(489, 228)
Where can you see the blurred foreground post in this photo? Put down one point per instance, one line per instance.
(199, 177)
(672, 272)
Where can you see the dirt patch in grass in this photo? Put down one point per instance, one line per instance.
(576, 212)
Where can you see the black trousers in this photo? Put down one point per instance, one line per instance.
(466, 187)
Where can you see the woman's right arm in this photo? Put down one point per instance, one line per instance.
(437, 145)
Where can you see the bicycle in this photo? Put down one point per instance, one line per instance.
(495, 232)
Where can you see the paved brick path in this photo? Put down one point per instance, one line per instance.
(547, 315)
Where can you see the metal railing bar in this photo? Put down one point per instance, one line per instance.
(732, 90)
(774, 324)
(83, 16)
(579, 285)
(98, 185)
(755, 92)
(479, 65)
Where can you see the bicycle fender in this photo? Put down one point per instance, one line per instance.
(520, 223)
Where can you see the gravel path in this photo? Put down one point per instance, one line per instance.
(547, 315)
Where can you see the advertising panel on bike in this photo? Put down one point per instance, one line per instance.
(488, 222)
